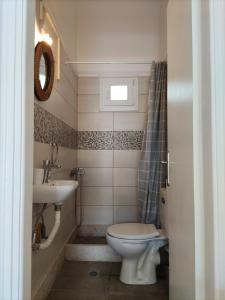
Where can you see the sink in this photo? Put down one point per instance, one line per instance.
(55, 191)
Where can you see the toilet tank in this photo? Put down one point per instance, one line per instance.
(163, 209)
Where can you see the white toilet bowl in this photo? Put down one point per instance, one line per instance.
(138, 245)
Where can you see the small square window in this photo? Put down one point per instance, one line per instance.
(118, 93)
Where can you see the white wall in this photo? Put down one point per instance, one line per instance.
(120, 30)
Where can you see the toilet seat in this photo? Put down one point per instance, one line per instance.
(133, 231)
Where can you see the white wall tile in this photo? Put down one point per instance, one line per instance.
(78, 194)
(124, 177)
(88, 103)
(126, 158)
(88, 85)
(67, 157)
(125, 196)
(78, 215)
(129, 121)
(67, 69)
(60, 108)
(95, 158)
(97, 195)
(125, 214)
(41, 152)
(63, 100)
(95, 121)
(143, 103)
(97, 177)
(97, 215)
(65, 89)
(143, 85)
(68, 73)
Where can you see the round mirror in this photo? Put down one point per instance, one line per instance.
(43, 71)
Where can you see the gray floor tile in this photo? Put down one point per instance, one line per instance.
(115, 269)
(75, 295)
(115, 287)
(81, 282)
(136, 297)
(75, 283)
(80, 268)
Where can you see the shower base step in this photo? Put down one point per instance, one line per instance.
(87, 240)
(90, 249)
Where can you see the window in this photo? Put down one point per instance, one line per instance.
(119, 94)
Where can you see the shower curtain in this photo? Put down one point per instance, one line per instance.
(151, 173)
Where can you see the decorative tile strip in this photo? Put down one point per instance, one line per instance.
(48, 129)
(95, 140)
(109, 140)
(128, 140)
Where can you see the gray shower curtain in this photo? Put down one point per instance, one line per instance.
(151, 173)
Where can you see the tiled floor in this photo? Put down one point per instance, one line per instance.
(100, 281)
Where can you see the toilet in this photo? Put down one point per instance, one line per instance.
(138, 245)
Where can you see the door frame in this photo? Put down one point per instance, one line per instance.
(217, 46)
(209, 107)
(16, 147)
(208, 23)
(208, 61)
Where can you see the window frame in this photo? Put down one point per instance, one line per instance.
(131, 104)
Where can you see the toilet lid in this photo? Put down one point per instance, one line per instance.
(133, 231)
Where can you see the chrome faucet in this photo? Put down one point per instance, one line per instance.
(48, 165)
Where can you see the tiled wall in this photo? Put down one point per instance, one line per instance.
(109, 146)
(56, 121)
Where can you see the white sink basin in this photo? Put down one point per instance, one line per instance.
(55, 191)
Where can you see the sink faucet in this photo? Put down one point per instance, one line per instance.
(48, 165)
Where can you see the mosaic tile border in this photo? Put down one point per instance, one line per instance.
(128, 140)
(95, 140)
(109, 140)
(49, 129)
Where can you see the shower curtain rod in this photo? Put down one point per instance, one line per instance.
(110, 62)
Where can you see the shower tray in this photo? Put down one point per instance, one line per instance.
(90, 240)
(90, 248)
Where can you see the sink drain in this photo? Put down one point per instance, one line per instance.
(93, 274)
